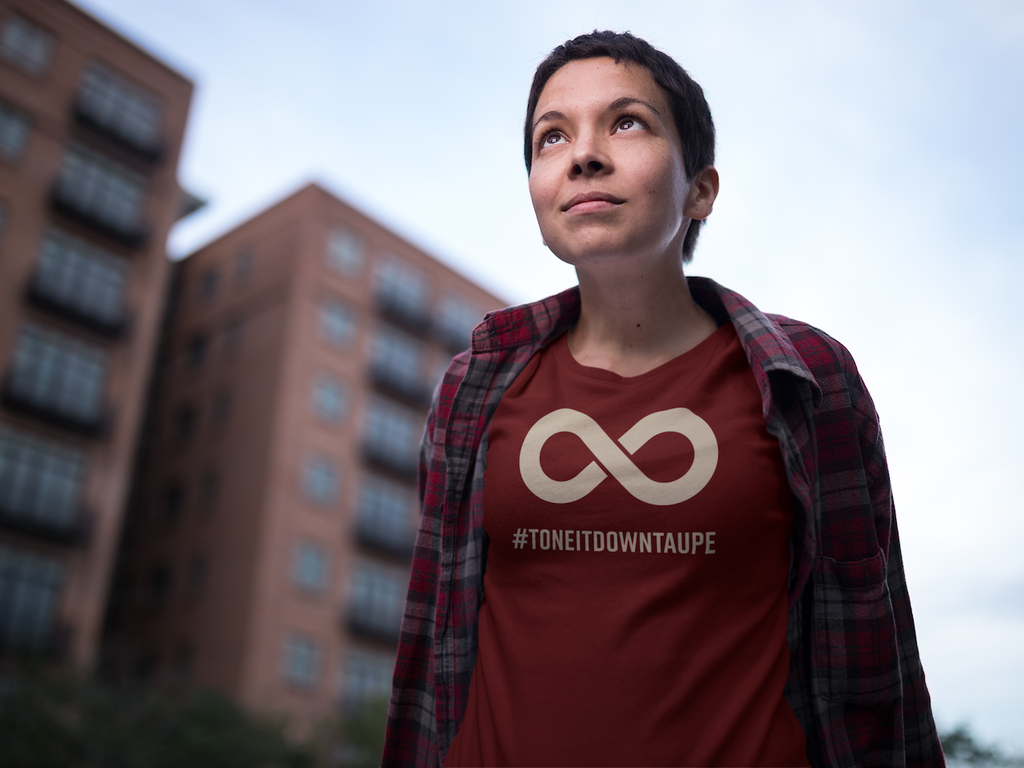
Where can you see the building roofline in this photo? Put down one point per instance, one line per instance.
(321, 188)
(89, 15)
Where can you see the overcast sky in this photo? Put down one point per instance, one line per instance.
(871, 162)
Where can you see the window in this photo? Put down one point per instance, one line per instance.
(55, 372)
(337, 322)
(29, 585)
(25, 45)
(456, 319)
(197, 350)
(119, 106)
(391, 435)
(378, 602)
(302, 656)
(384, 515)
(366, 676)
(398, 358)
(104, 190)
(401, 287)
(310, 567)
(13, 132)
(330, 399)
(80, 276)
(244, 261)
(209, 284)
(345, 251)
(320, 480)
(40, 481)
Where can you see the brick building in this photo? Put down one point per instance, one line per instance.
(268, 544)
(90, 132)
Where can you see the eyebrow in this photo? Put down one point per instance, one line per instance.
(549, 115)
(619, 103)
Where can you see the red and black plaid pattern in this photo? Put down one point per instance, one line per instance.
(855, 680)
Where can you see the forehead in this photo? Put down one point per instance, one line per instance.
(590, 83)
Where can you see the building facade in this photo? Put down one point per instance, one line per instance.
(90, 132)
(268, 544)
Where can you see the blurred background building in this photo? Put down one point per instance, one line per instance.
(90, 131)
(256, 407)
(268, 542)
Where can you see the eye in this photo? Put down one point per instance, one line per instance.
(629, 123)
(551, 138)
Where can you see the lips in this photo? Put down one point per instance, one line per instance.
(584, 198)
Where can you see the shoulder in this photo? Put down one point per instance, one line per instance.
(821, 352)
(447, 388)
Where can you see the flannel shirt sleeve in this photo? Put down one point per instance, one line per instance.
(874, 704)
(411, 736)
(920, 735)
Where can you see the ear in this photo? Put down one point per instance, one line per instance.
(703, 191)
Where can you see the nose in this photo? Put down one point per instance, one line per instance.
(589, 156)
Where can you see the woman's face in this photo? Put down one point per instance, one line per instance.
(608, 179)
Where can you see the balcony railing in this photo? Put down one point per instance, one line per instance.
(72, 530)
(403, 385)
(385, 542)
(150, 153)
(132, 236)
(382, 456)
(373, 626)
(111, 324)
(94, 425)
(52, 645)
(453, 339)
(411, 317)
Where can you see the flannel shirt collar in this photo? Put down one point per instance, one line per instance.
(768, 348)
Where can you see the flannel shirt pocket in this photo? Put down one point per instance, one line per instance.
(854, 650)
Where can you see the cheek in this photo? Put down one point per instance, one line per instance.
(540, 193)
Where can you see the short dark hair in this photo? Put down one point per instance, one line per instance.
(690, 110)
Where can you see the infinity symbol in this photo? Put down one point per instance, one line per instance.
(679, 420)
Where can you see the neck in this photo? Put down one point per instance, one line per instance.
(632, 323)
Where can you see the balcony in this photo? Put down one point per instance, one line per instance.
(149, 152)
(453, 340)
(404, 385)
(386, 542)
(410, 316)
(387, 458)
(95, 425)
(364, 621)
(130, 236)
(77, 309)
(67, 529)
(51, 644)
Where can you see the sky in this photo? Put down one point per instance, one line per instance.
(871, 157)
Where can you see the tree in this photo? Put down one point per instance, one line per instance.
(59, 721)
(354, 739)
(961, 749)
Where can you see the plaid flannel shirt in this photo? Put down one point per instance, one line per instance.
(855, 681)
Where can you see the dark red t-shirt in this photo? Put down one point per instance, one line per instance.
(634, 607)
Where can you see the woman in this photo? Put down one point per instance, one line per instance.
(657, 525)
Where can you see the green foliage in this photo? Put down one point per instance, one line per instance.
(961, 749)
(56, 721)
(354, 739)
